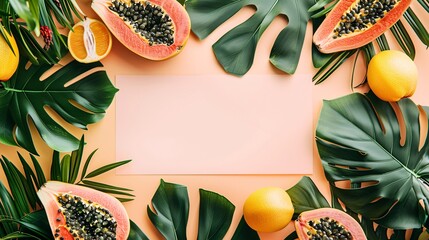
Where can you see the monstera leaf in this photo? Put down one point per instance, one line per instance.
(236, 49)
(77, 93)
(382, 150)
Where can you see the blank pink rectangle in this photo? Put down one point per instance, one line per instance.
(260, 124)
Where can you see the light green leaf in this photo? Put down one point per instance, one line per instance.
(244, 232)
(136, 233)
(235, 51)
(359, 140)
(106, 168)
(171, 210)
(28, 12)
(215, 215)
(25, 97)
(65, 168)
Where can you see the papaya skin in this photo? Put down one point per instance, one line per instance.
(139, 45)
(323, 37)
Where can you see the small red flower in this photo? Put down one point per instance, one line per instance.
(46, 33)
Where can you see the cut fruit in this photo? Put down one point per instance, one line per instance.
(392, 75)
(89, 41)
(8, 59)
(328, 222)
(354, 23)
(156, 30)
(76, 212)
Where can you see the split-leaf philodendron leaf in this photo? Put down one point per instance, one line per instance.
(359, 139)
(77, 93)
(236, 49)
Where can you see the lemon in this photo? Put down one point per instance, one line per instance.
(268, 209)
(8, 59)
(89, 41)
(392, 75)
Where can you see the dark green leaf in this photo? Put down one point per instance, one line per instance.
(25, 97)
(76, 158)
(17, 189)
(244, 232)
(37, 224)
(30, 183)
(319, 59)
(403, 38)
(292, 236)
(136, 233)
(41, 179)
(416, 234)
(16, 235)
(55, 167)
(85, 167)
(65, 168)
(103, 185)
(382, 43)
(331, 65)
(235, 51)
(215, 215)
(123, 200)
(417, 26)
(8, 208)
(425, 4)
(107, 190)
(319, 4)
(171, 210)
(368, 227)
(106, 168)
(364, 146)
(306, 196)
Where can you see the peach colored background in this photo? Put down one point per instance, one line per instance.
(235, 187)
(214, 124)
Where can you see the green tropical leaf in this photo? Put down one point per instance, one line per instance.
(86, 165)
(367, 146)
(65, 168)
(106, 168)
(319, 59)
(41, 179)
(29, 183)
(16, 235)
(136, 233)
(417, 26)
(56, 167)
(106, 186)
(403, 38)
(171, 210)
(292, 236)
(244, 232)
(29, 12)
(306, 196)
(235, 51)
(28, 97)
(37, 224)
(75, 160)
(215, 215)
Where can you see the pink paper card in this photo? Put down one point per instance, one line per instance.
(215, 124)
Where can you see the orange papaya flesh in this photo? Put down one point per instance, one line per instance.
(77, 212)
(156, 29)
(354, 23)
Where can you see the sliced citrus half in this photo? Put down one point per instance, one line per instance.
(89, 41)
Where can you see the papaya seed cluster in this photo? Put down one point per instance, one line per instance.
(85, 219)
(146, 19)
(327, 229)
(364, 14)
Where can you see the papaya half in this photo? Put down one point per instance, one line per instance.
(77, 212)
(328, 223)
(156, 29)
(354, 23)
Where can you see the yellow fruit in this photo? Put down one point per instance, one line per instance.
(392, 75)
(8, 59)
(268, 209)
(89, 41)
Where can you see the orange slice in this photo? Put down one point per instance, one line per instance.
(89, 41)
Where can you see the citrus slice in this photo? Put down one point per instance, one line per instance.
(89, 41)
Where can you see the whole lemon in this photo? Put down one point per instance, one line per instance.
(268, 209)
(8, 60)
(392, 75)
